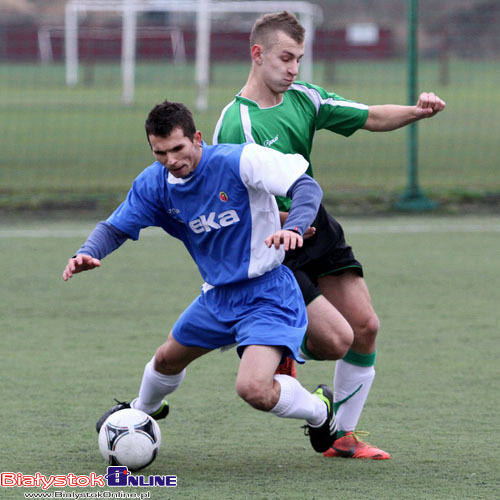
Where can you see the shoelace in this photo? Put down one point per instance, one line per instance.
(357, 435)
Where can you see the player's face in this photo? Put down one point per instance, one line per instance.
(177, 152)
(280, 62)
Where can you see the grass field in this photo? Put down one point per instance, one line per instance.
(67, 349)
(65, 144)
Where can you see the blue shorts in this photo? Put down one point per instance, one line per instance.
(268, 310)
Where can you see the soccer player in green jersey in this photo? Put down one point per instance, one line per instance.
(276, 111)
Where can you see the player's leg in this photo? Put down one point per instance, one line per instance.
(350, 296)
(164, 373)
(283, 395)
(354, 374)
(254, 382)
(273, 322)
(195, 333)
(329, 334)
(162, 376)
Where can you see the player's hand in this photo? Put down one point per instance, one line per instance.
(428, 105)
(310, 232)
(78, 264)
(289, 239)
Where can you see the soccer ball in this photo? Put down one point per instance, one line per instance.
(130, 438)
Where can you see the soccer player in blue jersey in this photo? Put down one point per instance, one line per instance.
(220, 202)
(276, 111)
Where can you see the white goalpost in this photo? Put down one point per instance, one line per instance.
(309, 14)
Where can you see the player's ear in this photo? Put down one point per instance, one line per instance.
(197, 138)
(256, 53)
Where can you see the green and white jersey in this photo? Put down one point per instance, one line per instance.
(290, 126)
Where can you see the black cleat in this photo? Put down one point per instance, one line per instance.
(121, 405)
(162, 412)
(323, 437)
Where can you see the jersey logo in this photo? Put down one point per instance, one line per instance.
(223, 196)
(205, 223)
(270, 142)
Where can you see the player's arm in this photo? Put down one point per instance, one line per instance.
(103, 240)
(308, 233)
(386, 117)
(306, 196)
(279, 174)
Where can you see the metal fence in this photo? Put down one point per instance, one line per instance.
(79, 144)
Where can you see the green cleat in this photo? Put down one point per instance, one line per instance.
(322, 437)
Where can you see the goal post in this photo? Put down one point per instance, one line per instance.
(309, 14)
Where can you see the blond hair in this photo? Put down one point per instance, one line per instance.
(269, 24)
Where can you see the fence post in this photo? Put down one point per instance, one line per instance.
(203, 28)
(413, 197)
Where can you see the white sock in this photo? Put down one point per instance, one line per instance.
(297, 402)
(351, 387)
(154, 387)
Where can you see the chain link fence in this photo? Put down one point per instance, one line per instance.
(79, 145)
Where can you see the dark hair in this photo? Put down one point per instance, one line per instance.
(268, 24)
(167, 116)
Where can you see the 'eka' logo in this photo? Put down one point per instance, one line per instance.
(205, 223)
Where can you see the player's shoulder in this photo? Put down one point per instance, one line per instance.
(229, 108)
(151, 180)
(302, 86)
(308, 95)
(228, 126)
(230, 114)
(238, 154)
(223, 153)
(312, 91)
(256, 153)
(223, 148)
(323, 99)
(152, 173)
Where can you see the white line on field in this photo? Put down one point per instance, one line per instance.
(423, 228)
(44, 233)
(353, 228)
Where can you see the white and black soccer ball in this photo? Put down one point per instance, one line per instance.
(130, 438)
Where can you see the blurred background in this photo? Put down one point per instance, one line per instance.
(74, 93)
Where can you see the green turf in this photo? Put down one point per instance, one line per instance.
(66, 143)
(67, 349)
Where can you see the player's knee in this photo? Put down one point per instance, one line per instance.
(331, 345)
(254, 394)
(372, 326)
(330, 350)
(339, 349)
(165, 365)
(367, 331)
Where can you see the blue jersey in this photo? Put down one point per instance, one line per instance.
(222, 212)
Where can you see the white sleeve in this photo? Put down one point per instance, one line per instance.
(269, 170)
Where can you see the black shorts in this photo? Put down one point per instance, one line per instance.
(325, 253)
